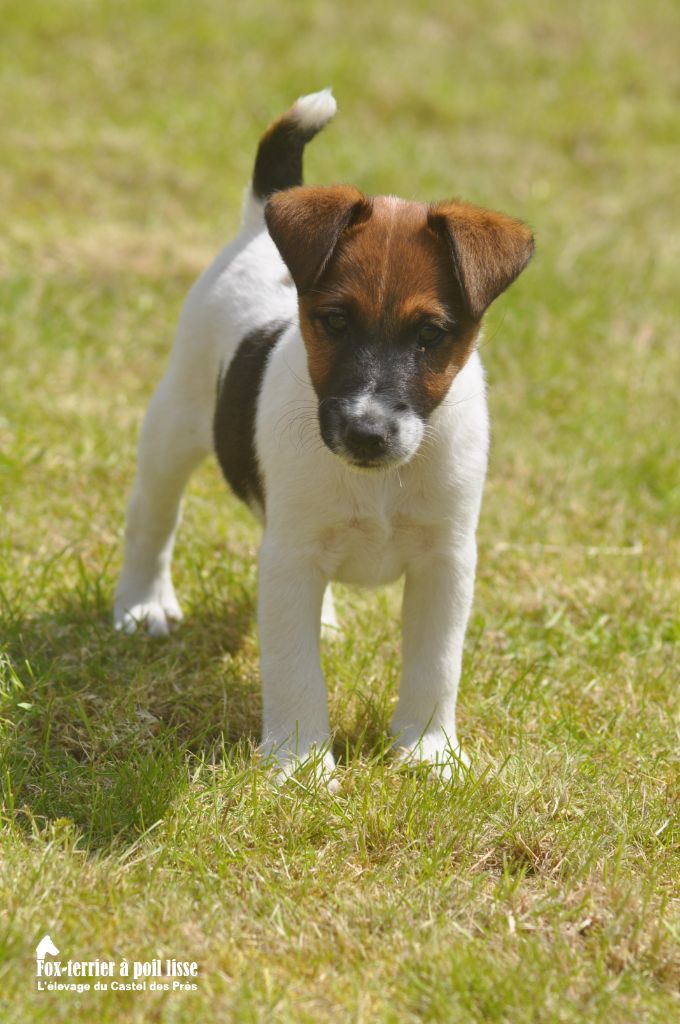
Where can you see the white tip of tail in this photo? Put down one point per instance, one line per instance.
(313, 111)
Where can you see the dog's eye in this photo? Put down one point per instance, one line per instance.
(430, 335)
(336, 323)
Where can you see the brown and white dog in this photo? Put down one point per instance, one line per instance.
(339, 334)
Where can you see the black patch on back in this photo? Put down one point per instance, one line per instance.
(235, 411)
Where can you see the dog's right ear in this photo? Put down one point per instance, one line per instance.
(306, 224)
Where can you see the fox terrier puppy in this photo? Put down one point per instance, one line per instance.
(328, 357)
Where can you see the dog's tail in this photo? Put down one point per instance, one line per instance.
(278, 163)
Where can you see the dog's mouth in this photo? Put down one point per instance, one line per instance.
(392, 456)
(365, 460)
(369, 465)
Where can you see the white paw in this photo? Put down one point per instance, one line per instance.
(155, 616)
(311, 758)
(444, 756)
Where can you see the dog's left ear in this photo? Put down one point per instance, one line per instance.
(488, 250)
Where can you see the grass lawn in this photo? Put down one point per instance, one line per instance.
(133, 824)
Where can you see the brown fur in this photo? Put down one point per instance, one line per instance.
(393, 264)
(306, 224)
(489, 250)
(319, 353)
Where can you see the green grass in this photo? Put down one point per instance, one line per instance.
(134, 824)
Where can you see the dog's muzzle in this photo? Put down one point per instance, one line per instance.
(370, 433)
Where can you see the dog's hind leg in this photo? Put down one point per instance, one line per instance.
(175, 437)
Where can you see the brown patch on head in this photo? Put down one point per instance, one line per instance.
(397, 273)
(389, 264)
(392, 273)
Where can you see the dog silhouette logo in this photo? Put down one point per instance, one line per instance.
(45, 946)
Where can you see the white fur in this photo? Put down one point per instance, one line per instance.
(315, 110)
(324, 520)
(409, 427)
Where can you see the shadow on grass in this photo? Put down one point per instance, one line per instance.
(95, 727)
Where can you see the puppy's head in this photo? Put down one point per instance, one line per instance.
(391, 297)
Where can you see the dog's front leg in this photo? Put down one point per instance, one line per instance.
(295, 708)
(437, 600)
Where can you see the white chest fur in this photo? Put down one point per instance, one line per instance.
(366, 527)
(370, 548)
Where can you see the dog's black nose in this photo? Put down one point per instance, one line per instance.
(366, 439)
